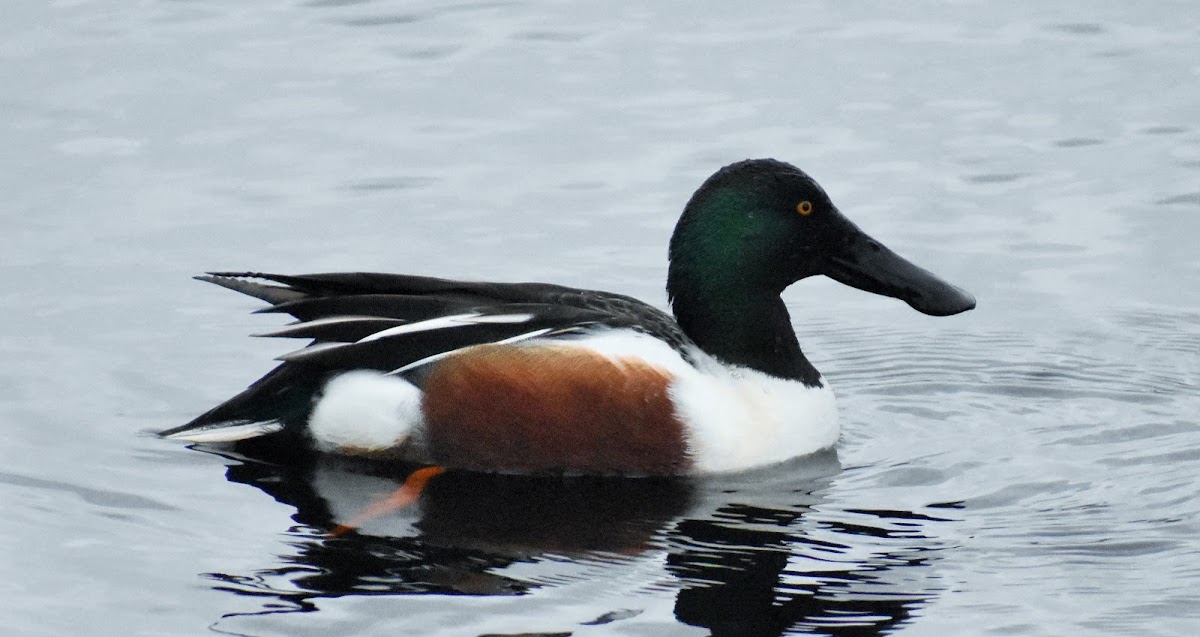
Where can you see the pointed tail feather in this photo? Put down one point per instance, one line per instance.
(273, 294)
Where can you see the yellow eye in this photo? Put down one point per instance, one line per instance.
(804, 208)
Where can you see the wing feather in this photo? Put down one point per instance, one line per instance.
(398, 323)
(344, 329)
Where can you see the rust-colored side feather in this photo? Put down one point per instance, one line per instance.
(551, 408)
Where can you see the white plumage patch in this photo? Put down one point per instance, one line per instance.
(232, 433)
(740, 418)
(365, 411)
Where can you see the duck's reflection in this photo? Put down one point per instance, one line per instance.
(742, 556)
(750, 581)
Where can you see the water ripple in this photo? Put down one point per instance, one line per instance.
(898, 364)
(100, 497)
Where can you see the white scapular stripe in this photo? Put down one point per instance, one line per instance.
(300, 326)
(443, 322)
(435, 357)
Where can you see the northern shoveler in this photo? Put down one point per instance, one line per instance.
(541, 378)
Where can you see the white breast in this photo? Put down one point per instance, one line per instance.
(740, 418)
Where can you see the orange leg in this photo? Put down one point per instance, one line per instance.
(404, 496)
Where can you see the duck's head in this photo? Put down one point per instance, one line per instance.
(753, 229)
(760, 225)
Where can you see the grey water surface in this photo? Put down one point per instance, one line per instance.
(1029, 468)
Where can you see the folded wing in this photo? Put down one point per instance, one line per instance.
(397, 324)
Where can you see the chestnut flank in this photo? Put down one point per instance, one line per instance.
(552, 408)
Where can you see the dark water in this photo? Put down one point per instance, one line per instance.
(1029, 468)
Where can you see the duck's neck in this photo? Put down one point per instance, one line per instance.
(741, 326)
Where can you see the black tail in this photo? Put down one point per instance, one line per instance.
(283, 397)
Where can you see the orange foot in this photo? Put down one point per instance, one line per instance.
(404, 496)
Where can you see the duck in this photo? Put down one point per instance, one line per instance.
(538, 378)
